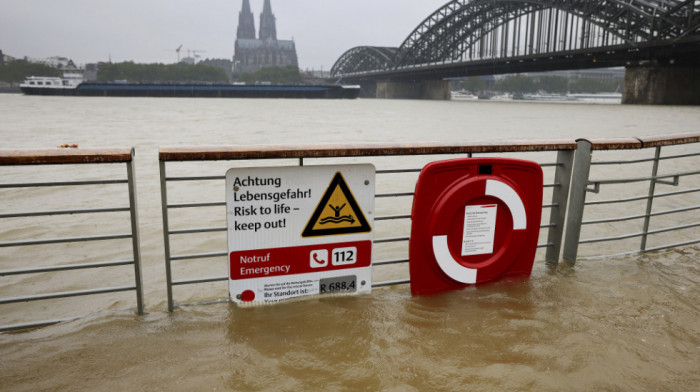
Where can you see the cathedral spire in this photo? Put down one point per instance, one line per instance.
(268, 28)
(246, 22)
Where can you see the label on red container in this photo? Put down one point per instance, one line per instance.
(479, 229)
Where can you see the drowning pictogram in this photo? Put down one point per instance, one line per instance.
(337, 212)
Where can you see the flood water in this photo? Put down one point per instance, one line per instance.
(618, 323)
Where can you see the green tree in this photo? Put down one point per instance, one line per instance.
(587, 85)
(160, 73)
(516, 84)
(474, 84)
(553, 84)
(275, 75)
(15, 72)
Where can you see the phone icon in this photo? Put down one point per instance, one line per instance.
(318, 258)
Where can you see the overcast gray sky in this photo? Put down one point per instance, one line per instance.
(148, 31)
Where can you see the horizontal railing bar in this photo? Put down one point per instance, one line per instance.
(548, 225)
(201, 280)
(65, 240)
(551, 185)
(644, 160)
(387, 262)
(691, 190)
(639, 234)
(66, 294)
(196, 205)
(62, 183)
(615, 238)
(36, 324)
(56, 156)
(394, 239)
(391, 217)
(397, 171)
(634, 161)
(400, 194)
(640, 179)
(198, 256)
(611, 220)
(203, 178)
(67, 267)
(547, 245)
(632, 217)
(390, 283)
(238, 152)
(550, 205)
(691, 242)
(674, 228)
(645, 197)
(202, 230)
(64, 212)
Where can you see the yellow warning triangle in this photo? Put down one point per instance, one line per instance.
(337, 212)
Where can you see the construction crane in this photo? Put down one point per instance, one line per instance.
(193, 53)
(178, 52)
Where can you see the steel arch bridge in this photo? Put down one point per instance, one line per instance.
(488, 31)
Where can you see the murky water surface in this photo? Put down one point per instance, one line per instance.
(621, 323)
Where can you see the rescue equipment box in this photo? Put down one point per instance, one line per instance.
(473, 220)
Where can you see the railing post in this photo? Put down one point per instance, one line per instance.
(650, 200)
(560, 195)
(166, 234)
(135, 236)
(577, 200)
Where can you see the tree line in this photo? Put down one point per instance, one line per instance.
(14, 72)
(274, 75)
(160, 73)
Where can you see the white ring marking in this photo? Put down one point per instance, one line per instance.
(448, 264)
(508, 195)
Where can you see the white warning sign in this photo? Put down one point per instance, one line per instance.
(299, 230)
(479, 229)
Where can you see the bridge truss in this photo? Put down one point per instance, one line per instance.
(464, 31)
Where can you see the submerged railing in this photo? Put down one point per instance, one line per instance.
(577, 203)
(70, 161)
(362, 153)
(582, 184)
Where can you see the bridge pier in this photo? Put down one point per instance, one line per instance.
(425, 89)
(662, 84)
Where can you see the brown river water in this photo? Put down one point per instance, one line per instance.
(618, 323)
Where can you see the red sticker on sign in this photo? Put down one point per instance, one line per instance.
(296, 260)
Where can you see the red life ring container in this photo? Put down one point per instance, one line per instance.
(473, 220)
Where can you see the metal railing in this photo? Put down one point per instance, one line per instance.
(58, 159)
(583, 184)
(363, 153)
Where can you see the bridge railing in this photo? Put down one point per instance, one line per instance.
(54, 207)
(197, 227)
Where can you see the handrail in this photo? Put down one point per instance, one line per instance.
(66, 156)
(273, 151)
(631, 143)
(672, 139)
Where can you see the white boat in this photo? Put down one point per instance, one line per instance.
(67, 82)
(463, 96)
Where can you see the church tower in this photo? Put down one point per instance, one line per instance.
(268, 26)
(252, 54)
(246, 22)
